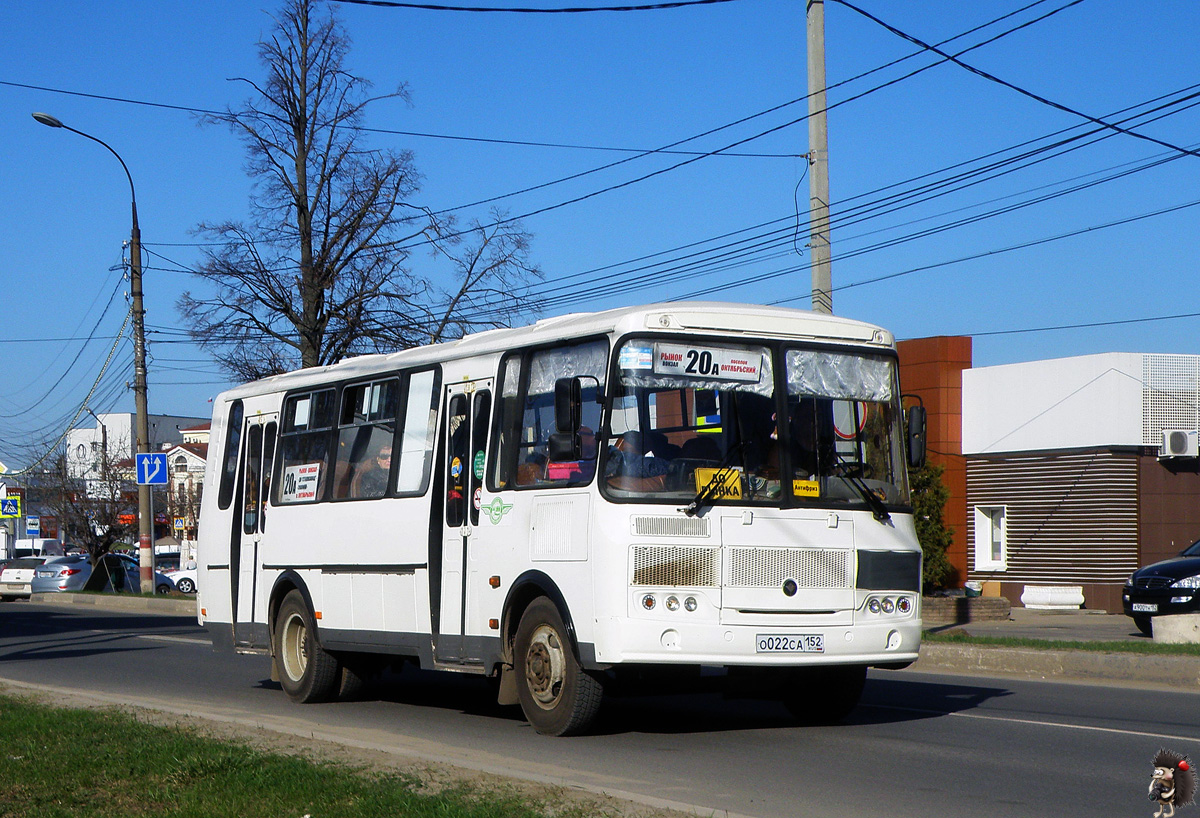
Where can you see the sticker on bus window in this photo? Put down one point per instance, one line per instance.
(715, 363)
(300, 483)
(806, 488)
(636, 358)
(729, 487)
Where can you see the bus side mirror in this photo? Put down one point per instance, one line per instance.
(564, 447)
(568, 404)
(916, 436)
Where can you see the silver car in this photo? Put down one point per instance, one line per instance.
(16, 576)
(72, 573)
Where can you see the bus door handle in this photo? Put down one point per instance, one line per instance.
(465, 530)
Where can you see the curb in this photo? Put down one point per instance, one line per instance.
(111, 602)
(1098, 666)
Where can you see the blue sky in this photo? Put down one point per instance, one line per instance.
(637, 80)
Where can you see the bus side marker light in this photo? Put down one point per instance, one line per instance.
(316, 614)
(494, 582)
(494, 624)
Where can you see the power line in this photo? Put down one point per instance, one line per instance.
(569, 10)
(1025, 92)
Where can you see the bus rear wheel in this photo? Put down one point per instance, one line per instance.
(558, 696)
(306, 672)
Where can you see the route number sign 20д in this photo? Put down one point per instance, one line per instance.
(704, 362)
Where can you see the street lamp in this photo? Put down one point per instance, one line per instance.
(145, 522)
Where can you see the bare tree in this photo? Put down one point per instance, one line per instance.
(96, 512)
(320, 270)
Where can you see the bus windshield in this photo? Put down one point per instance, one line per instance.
(705, 418)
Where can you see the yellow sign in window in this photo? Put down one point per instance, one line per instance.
(727, 487)
(806, 488)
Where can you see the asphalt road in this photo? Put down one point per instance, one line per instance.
(920, 744)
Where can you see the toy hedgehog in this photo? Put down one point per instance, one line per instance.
(1173, 782)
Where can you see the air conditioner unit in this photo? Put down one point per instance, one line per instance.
(1179, 443)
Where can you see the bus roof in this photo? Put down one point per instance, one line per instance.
(729, 320)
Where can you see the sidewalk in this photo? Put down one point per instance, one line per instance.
(1178, 672)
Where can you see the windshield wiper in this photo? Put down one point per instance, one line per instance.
(717, 480)
(874, 502)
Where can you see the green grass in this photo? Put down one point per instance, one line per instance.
(65, 762)
(1141, 647)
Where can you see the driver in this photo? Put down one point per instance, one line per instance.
(631, 467)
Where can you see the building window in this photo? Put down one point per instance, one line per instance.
(991, 538)
(181, 465)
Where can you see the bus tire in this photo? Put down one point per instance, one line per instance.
(558, 696)
(306, 672)
(824, 694)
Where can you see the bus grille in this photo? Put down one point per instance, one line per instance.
(670, 526)
(676, 567)
(809, 567)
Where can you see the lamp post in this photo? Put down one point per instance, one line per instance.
(145, 521)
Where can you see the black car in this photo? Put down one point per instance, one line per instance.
(1167, 587)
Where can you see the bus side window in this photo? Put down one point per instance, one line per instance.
(504, 447)
(304, 443)
(530, 461)
(419, 433)
(233, 444)
(363, 464)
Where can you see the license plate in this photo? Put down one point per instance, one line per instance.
(16, 586)
(790, 643)
(1145, 607)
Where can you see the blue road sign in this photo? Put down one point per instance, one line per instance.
(152, 469)
(10, 507)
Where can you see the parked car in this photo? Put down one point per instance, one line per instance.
(16, 577)
(1168, 587)
(185, 580)
(72, 573)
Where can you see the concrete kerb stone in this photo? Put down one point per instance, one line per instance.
(1172, 671)
(113, 602)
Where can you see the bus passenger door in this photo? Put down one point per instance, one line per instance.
(468, 412)
(254, 485)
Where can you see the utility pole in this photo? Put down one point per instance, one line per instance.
(818, 161)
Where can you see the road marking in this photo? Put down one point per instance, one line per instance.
(1037, 723)
(185, 639)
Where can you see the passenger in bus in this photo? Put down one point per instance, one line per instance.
(371, 479)
(631, 467)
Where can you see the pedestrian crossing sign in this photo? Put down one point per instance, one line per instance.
(10, 507)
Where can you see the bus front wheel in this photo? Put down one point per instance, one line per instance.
(557, 695)
(306, 672)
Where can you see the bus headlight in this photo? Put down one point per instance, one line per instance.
(672, 603)
(690, 604)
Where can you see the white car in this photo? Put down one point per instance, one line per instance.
(185, 580)
(16, 576)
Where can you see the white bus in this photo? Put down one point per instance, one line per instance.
(717, 488)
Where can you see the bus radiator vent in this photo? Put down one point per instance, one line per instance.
(771, 567)
(670, 526)
(676, 567)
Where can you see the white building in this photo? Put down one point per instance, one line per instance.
(1080, 470)
(117, 430)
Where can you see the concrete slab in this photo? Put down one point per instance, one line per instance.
(1177, 629)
